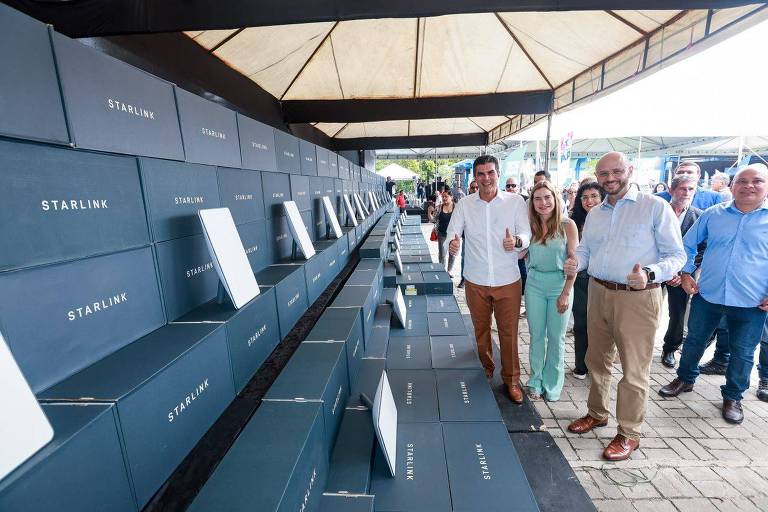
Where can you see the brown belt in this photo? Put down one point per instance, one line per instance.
(619, 286)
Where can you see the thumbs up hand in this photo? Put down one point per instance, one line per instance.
(454, 245)
(570, 265)
(509, 241)
(637, 279)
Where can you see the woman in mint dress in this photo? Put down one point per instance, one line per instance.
(548, 297)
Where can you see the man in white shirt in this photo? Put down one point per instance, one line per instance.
(495, 227)
(630, 244)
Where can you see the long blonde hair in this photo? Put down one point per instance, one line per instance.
(554, 225)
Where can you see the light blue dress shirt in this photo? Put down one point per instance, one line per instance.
(734, 271)
(640, 228)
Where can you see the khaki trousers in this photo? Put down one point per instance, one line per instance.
(623, 321)
(504, 303)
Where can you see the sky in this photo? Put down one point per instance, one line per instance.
(720, 91)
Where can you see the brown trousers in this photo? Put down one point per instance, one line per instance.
(504, 303)
(623, 321)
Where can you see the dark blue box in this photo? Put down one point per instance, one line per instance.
(323, 168)
(431, 267)
(317, 371)
(446, 324)
(338, 192)
(364, 298)
(317, 271)
(279, 239)
(306, 217)
(308, 158)
(316, 193)
(173, 192)
(421, 479)
(113, 106)
(254, 238)
(333, 164)
(346, 503)
(82, 311)
(437, 283)
(350, 470)
(287, 152)
(453, 352)
(277, 463)
(410, 280)
(290, 293)
(330, 249)
(253, 332)
(209, 131)
(342, 324)
(277, 189)
(416, 325)
(438, 304)
(378, 343)
(187, 275)
(367, 380)
(32, 107)
(465, 395)
(343, 246)
(484, 470)
(257, 144)
(61, 204)
(415, 394)
(300, 192)
(82, 468)
(409, 353)
(241, 192)
(169, 387)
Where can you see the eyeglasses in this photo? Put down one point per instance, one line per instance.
(511, 185)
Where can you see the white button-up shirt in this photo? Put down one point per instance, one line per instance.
(484, 225)
(640, 228)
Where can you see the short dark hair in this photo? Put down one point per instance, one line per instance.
(688, 163)
(679, 180)
(485, 159)
(579, 214)
(447, 190)
(543, 173)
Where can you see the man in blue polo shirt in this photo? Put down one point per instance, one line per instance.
(703, 199)
(733, 285)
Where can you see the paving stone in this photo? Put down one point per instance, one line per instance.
(715, 489)
(613, 505)
(671, 484)
(746, 481)
(695, 505)
(660, 453)
(735, 505)
(682, 450)
(640, 491)
(606, 487)
(654, 506)
(699, 473)
(694, 446)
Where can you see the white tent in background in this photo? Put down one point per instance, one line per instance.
(397, 173)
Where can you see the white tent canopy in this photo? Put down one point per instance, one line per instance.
(397, 173)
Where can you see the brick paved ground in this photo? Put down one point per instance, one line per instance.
(689, 459)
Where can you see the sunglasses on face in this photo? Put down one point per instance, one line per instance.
(511, 185)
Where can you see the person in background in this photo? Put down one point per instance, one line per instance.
(472, 190)
(630, 243)
(548, 296)
(660, 187)
(442, 219)
(495, 228)
(513, 187)
(401, 201)
(570, 196)
(703, 198)
(540, 176)
(720, 182)
(589, 195)
(390, 186)
(732, 284)
(683, 188)
(430, 208)
(458, 192)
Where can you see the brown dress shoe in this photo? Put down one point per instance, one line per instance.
(620, 448)
(674, 388)
(585, 424)
(732, 412)
(515, 393)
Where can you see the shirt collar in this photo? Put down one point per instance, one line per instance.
(630, 195)
(731, 205)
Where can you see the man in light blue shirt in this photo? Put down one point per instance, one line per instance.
(733, 284)
(703, 199)
(630, 244)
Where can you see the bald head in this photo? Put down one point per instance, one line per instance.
(750, 187)
(613, 172)
(760, 169)
(613, 158)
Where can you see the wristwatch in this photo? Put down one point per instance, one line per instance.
(518, 242)
(650, 273)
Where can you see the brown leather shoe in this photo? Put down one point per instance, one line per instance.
(585, 424)
(515, 393)
(620, 448)
(674, 388)
(732, 411)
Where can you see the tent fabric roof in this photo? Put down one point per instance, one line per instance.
(397, 173)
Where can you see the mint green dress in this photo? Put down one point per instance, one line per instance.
(546, 326)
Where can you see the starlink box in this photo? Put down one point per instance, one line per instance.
(277, 463)
(330, 250)
(323, 169)
(254, 238)
(362, 298)
(342, 324)
(241, 192)
(209, 131)
(378, 343)
(440, 304)
(290, 293)
(363, 278)
(32, 107)
(316, 270)
(374, 247)
(112, 106)
(453, 352)
(83, 311)
(173, 192)
(415, 325)
(367, 380)
(287, 152)
(169, 387)
(308, 158)
(85, 449)
(446, 324)
(317, 371)
(333, 164)
(279, 239)
(316, 193)
(257, 144)
(431, 267)
(338, 192)
(62, 204)
(416, 304)
(187, 275)
(306, 218)
(415, 394)
(420, 483)
(277, 190)
(346, 503)
(464, 395)
(410, 279)
(374, 264)
(300, 192)
(350, 469)
(343, 246)
(390, 275)
(437, 283)
(484, 470)
(253, 331)
(409, 353)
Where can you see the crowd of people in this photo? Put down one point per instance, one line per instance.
(606, 253)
